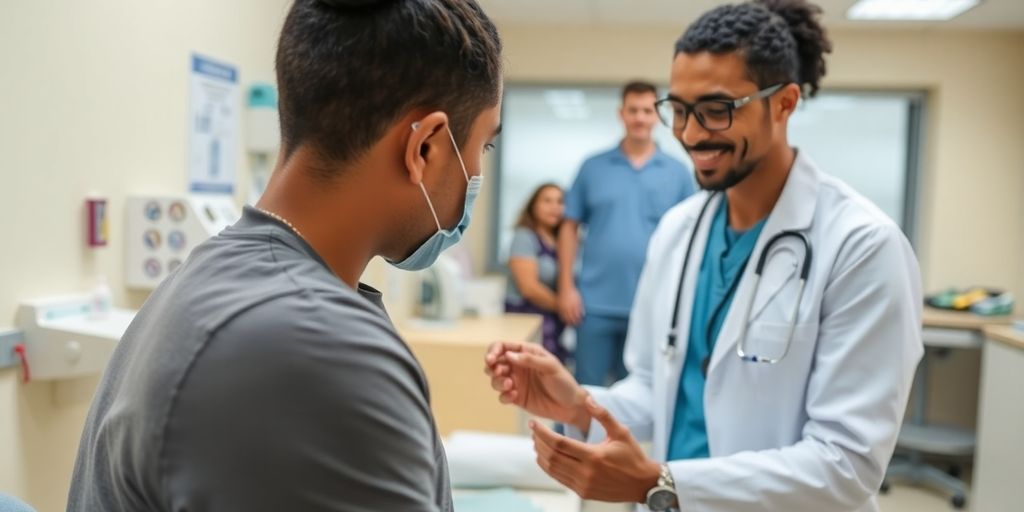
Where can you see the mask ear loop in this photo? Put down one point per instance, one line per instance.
(431, 205)
(458, 154)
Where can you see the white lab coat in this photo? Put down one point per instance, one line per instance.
(815, 432)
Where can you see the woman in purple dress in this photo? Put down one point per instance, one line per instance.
(533, 265)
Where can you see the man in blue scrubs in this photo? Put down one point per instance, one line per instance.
(619, 196)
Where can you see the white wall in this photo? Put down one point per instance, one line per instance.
(92, 100)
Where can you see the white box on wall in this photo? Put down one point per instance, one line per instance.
(161, 231)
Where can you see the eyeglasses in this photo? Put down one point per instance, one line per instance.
(713, 115)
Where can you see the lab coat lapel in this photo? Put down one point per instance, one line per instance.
(793, 212)
(675, 368)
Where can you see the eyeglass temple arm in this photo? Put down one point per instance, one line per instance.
(763, 93)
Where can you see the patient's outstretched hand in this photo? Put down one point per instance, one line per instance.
(527, 375)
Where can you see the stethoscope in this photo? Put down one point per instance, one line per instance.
(741, 349)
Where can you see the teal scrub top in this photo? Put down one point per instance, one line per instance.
(725, 257)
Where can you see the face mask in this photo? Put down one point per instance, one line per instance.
(425, 255)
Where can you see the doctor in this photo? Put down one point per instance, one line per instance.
(776, 326)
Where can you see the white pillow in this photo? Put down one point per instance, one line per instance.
(482, 459)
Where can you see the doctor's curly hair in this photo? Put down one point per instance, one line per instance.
(782, 40)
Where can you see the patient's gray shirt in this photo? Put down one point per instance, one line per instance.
(253, 379)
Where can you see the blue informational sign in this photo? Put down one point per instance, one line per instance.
(213, 126)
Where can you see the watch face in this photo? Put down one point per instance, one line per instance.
(661, 499)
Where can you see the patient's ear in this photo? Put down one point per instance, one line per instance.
(426, 139)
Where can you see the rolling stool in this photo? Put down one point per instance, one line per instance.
(919, 438)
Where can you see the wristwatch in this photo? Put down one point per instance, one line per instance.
(663, 496)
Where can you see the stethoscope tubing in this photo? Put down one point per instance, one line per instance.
(673, 333)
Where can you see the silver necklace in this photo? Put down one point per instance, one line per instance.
(282, 220)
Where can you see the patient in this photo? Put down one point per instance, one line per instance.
(262, 376)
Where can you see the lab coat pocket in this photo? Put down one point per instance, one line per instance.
(771, 340)
(767, 383)
(769, 397)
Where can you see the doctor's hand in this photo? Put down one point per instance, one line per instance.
(616, 470)
(570, 305)
(527, 375)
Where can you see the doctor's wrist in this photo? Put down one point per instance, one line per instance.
(649, 478)
(661, 496)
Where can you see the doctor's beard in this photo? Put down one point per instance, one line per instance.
(733, 176)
